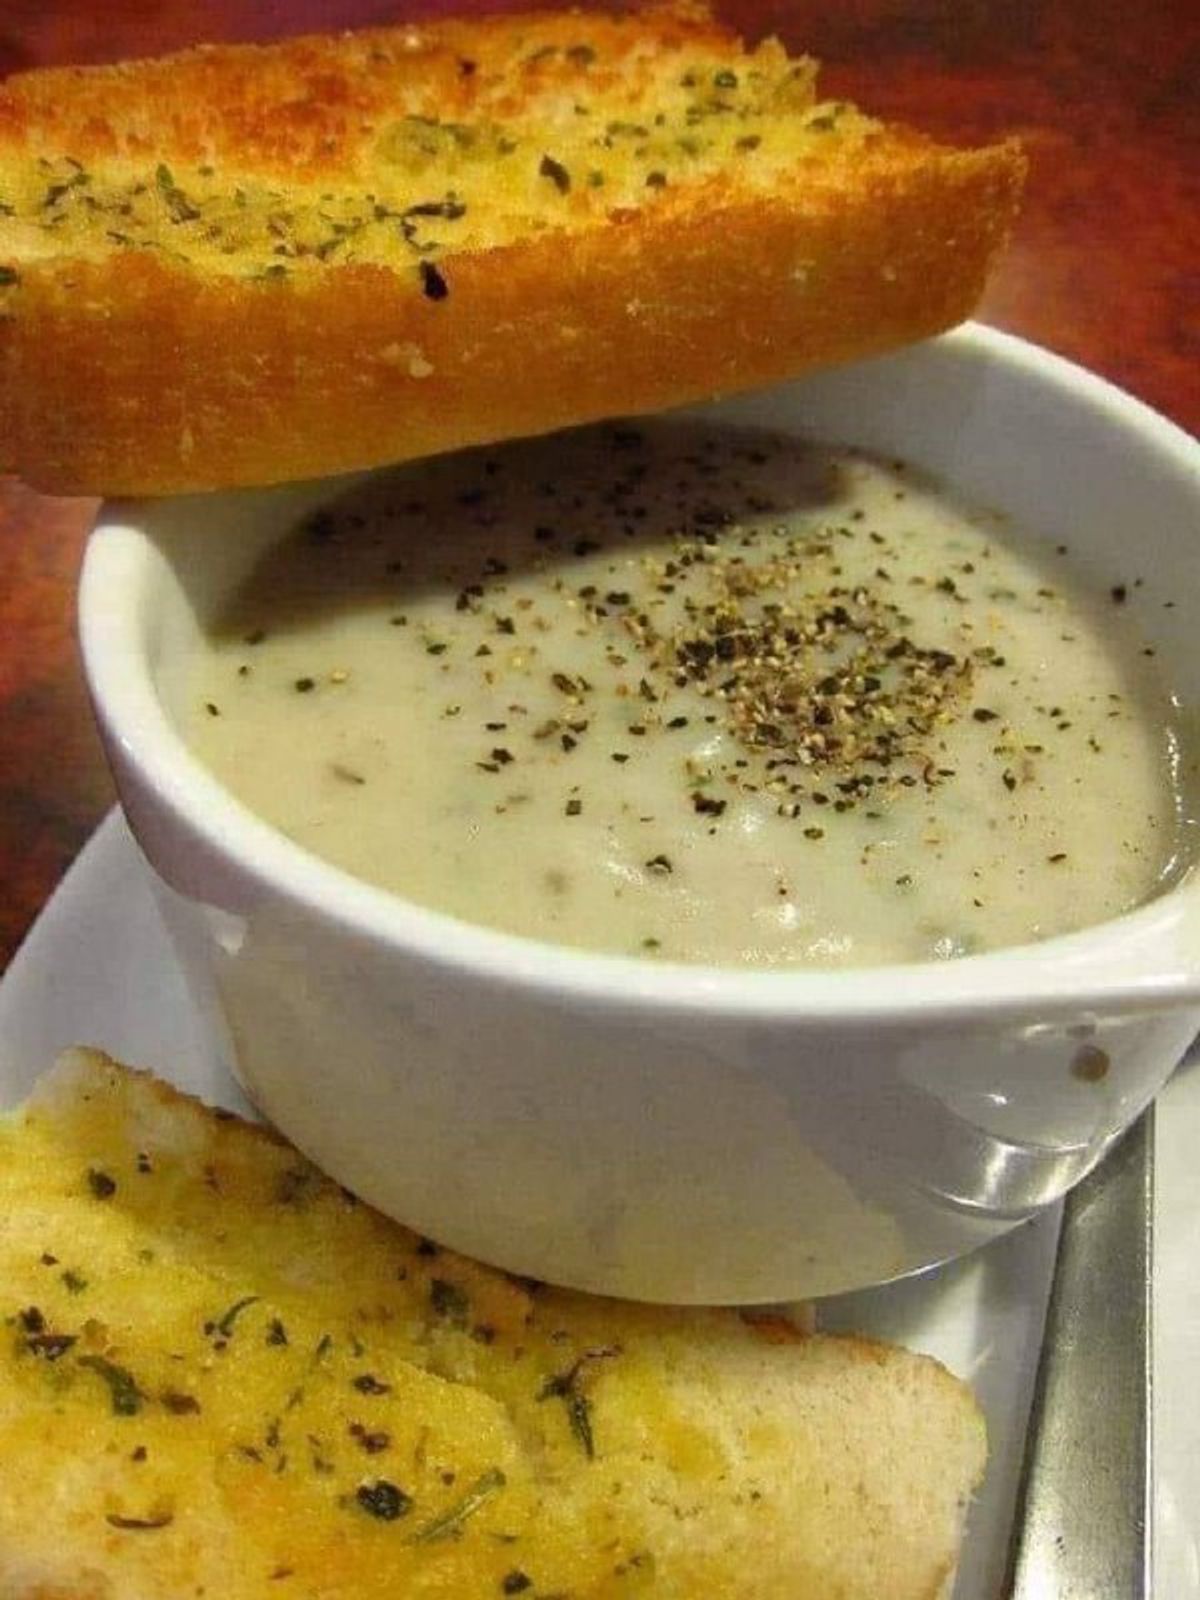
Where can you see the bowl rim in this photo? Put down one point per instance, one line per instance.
(1141, 960)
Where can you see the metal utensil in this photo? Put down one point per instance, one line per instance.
(1083, 1525)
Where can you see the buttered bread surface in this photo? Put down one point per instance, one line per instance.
(418, 152)
(699, 695)
(220, 1375)
(255, 264)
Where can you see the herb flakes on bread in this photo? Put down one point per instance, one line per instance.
(250, 264)
(220, 1375)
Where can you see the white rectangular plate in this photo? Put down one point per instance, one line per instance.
(97, 970)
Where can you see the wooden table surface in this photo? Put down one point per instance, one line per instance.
(1103, 269)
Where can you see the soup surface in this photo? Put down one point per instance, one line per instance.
(697, 694)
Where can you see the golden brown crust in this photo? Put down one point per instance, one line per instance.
(260, 383)
(295, 104)
(134, 373)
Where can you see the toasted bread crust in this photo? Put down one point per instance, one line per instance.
(280, 1348)
(136, 372)
(262, 383)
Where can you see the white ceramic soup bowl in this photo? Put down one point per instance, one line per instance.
(671, 1132)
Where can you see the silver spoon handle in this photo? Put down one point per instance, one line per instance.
(1083, 1525)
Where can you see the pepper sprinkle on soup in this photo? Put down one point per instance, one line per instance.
(698, 694)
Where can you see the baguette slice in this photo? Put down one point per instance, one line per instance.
(219, 1375)
(247, 265)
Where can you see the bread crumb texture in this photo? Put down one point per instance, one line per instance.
(222, 1376)
(248, 264)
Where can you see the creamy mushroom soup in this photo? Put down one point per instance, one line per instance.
(698, 694)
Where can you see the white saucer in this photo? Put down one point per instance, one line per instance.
(96, 969)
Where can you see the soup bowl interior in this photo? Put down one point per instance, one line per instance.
(643, 1128)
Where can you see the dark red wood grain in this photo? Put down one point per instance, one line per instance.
(1103, 268)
